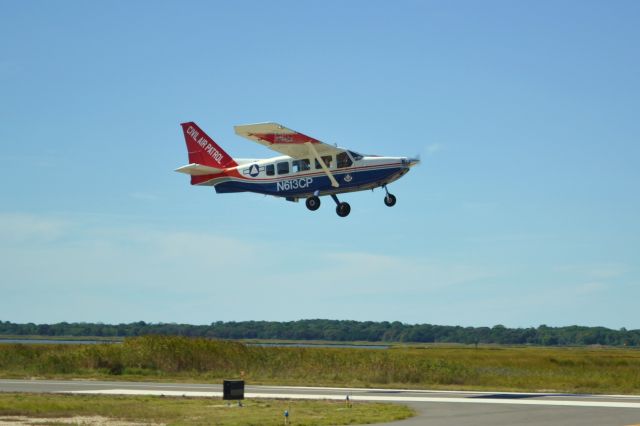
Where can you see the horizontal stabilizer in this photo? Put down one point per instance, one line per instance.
(195, 169)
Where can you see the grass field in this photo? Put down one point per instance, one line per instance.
(589, 370)
(164, 410)
(67, 338)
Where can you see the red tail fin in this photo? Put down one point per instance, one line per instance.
(203, 150)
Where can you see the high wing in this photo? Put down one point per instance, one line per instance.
(284, 140)
(289, 142)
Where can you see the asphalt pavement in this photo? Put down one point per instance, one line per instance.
(434, 407)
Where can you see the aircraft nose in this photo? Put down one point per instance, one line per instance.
(410, 162)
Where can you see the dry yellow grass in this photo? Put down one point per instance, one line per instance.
(593, 370)
(194, 411)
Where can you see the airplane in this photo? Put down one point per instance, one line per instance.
(306, 169)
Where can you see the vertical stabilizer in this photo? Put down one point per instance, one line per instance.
(203, 150)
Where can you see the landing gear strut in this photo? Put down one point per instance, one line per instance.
(389, 199)
(343, 209)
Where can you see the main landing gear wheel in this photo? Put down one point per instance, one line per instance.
(313, 203)
(390, 200)
(343, 209)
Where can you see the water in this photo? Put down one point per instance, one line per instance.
(318, 345)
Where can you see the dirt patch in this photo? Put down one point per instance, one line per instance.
(76, 420)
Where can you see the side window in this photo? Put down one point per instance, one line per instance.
(327, 161)
(301, 165)
(343, 160)
(270, 169)
(283, 168)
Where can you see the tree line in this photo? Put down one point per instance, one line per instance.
(342, 331)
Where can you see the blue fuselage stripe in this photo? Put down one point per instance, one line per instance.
(304, 185)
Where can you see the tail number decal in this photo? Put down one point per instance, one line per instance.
(289, 185)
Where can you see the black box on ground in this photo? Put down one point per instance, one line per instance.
(232, 389)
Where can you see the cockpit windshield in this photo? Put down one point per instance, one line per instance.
(355, 155)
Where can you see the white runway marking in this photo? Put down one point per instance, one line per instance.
(337, 389)
(453, 392)
(375, 398)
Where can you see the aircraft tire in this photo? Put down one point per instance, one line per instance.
(390, 200)
(313, 203)
(343, 209)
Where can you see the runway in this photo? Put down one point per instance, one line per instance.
(434, 407)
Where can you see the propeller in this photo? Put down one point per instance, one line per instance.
(411, 161)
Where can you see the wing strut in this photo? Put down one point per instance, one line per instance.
(333, 180)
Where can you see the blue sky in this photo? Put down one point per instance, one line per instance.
(523, 212)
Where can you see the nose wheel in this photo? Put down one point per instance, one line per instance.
(389, 199)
